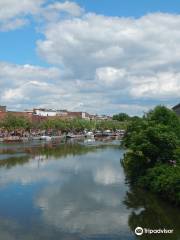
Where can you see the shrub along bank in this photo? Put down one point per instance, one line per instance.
(153, 157)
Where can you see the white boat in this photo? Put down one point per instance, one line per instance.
(46, 138)
(36, 138)
(89, 134)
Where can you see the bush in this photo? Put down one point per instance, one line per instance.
(163, 179)
(154, 143)
(135, 164)
(121, 117)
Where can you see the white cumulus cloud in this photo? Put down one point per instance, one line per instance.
(101, 63)
(127, 59)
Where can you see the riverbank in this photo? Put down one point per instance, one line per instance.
(74, 135)
(152, 160)
(20, 129)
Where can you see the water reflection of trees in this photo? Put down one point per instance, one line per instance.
(148, 211)
(13, 161)
(49, 151)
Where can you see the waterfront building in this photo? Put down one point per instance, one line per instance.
(81, 115)
(41, 114)
(44, 112)
(100, 117)
(62, 113)
(2, 108)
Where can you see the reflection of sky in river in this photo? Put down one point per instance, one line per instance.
(78, 195)
(90, 200)
(74, 192)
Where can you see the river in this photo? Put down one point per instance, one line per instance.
(75, 191)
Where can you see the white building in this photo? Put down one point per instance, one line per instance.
(85, 115)
(62, 112)
(45, 112)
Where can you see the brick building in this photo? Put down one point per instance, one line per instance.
(17, 114)
(81, 115)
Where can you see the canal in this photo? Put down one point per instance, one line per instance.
(75, 191)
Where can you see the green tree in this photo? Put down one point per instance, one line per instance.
(165, 116)
(153, 143)
(121, 117)
(11, 122)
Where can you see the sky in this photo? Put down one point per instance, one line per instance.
(98, 56)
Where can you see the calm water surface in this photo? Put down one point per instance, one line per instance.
(74, 191)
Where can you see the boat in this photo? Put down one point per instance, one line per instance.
(120, 132)
(36, 138)
(98, 133)
(12, 139)
(58, 137)
(71, 135)
(107, 133)
(46, 138)
(89, 135)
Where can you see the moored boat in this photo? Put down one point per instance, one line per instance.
(71, 135)
(107, 133)
(89, 134)
(98, 133)
(36, 138)
(12, 139)
(120, 132)
(46, 138)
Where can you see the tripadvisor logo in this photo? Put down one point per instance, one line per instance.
(139, 231)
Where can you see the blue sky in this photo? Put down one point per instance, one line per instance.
(24, 40)
(94, 55)
(126, 8)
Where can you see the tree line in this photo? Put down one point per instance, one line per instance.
(11, 123)
(152, 159)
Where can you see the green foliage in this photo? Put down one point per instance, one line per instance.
(157, 143)
(135, 164)
(79, 125)
(163, 179)
(154, 140)
(177, 155)
(11, 122)
(133, 128)
(121, 117)
(165, 116)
